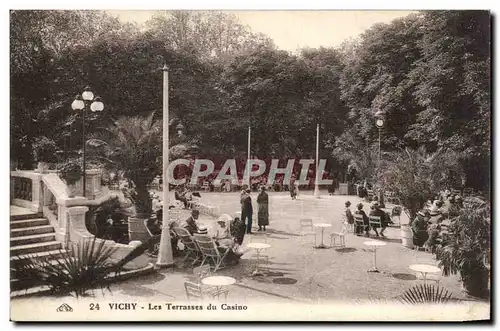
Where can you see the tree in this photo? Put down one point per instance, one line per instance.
(207, 34)
(132, 145)
(453, 87)
(416, 176)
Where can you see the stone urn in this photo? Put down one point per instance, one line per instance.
(43, 167)
(71, 190)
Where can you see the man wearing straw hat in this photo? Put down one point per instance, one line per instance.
(191, 225)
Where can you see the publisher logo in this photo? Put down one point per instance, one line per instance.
(64, 308)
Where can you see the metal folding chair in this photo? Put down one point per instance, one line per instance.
(191, 249)
(210, 252)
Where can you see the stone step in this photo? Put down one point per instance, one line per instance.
(25, 216)
(32, 239)
(18, 282)
(28, 223)
(35, 248)
(53, 254)
(19, 232)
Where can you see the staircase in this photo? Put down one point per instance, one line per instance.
(31, 236)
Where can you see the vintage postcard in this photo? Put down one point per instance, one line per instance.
(191, 165)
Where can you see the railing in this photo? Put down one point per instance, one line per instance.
(23, 188)
(26, 190)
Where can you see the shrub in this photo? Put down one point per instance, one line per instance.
(468, 249)
(426, 293)
(45, 150)
(70, 171)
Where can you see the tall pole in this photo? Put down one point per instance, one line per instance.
(248, 155)
(316, 182)
(378, 151)
(84, 157)
(165, 256)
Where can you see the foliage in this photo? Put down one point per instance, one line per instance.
(208, 34)
(468, 249)
(76, 272)
(425, 294)
(358, 154)
(132, 145)
(71, 171)
(45, 150)
(428, 71)
(416, 176)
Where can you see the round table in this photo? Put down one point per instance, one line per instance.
(424, 269)
(322, 226)
(375, 244)
(218, 282)
(258, 247)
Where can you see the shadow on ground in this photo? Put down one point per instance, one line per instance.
(346, 250)
(403, 276)
(285, 281)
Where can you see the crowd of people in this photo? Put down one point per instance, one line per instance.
(428, 225)
(365, 227)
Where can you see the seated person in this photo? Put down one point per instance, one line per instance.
(228, 246)
(434, 232)
(419, 227)
(191, 225)
(366, 223)
(238, 230)
(376, 211)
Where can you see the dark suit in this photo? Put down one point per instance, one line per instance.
(247, 211)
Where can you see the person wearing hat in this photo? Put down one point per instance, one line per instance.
(366, 221)
(247, 209)
(263, 205)
(191, 225)
(419, 227)
(348, 213)
(376, 211)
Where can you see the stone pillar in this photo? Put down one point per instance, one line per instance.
(93, 183)
(75, 225)
(37, 195)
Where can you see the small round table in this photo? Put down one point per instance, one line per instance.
(424, 269)
(258, 247)
(218, 282)
(375, 244)
(322, 226)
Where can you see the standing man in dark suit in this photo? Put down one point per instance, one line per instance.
(246, 209)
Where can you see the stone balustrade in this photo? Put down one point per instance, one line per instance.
(47, 193)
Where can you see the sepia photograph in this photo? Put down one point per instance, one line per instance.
(250, 165)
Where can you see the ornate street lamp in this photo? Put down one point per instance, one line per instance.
(379, 122)
(81, 103)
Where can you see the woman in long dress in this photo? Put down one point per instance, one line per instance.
(263, 203)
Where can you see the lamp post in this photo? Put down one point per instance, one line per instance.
(81, 103)
(316, 182)
(379, 122)
(248, 154)
(165, 256)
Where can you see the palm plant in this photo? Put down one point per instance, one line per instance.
(425, 293)
(76, 272)
(467, 250)
(132, 145)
